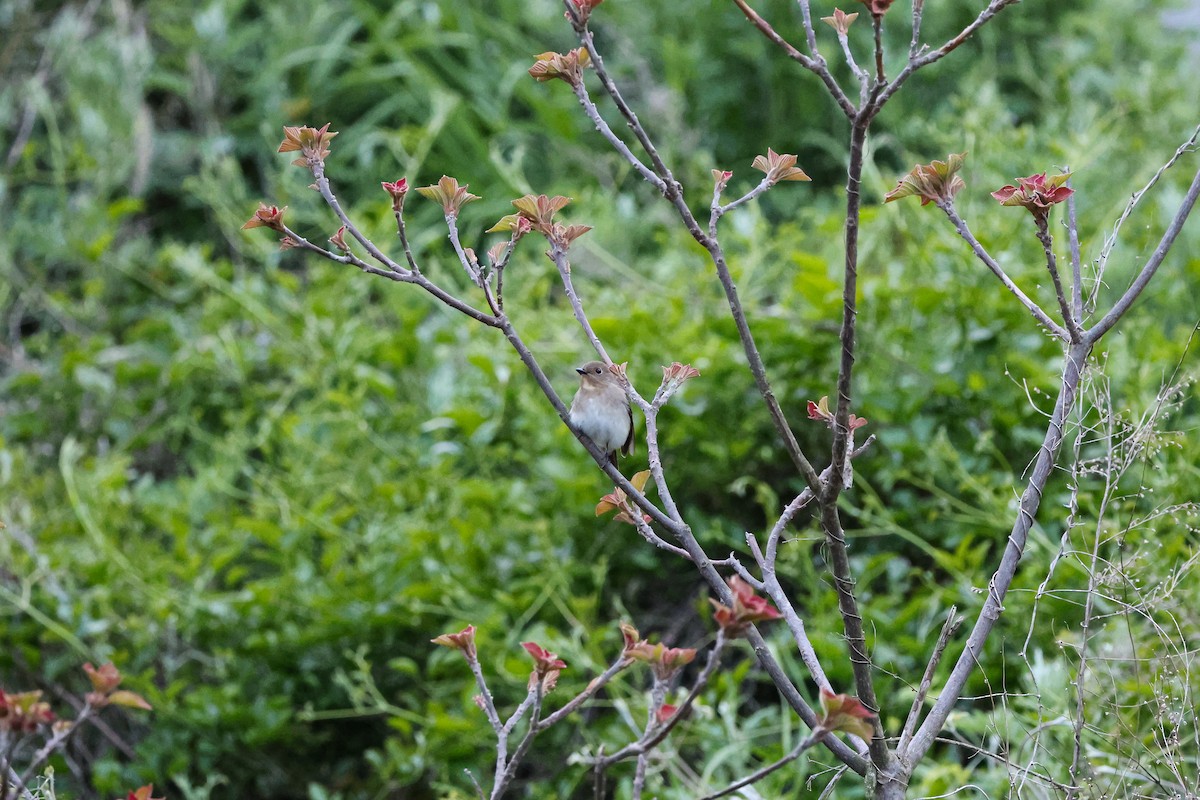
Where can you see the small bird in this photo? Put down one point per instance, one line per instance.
(601, 410)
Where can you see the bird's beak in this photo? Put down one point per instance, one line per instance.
(579, 370)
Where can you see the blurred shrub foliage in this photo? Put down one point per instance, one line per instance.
(260, 483)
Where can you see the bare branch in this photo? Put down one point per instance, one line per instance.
(1064, 307)
(1111, 240)
(1000, 582)
(953, 620)
(759, 774)
(982, 254)
(593, 113)
(1152, 264)
(1076, 262)
(915, 63)
(578, 700)
(914, 44)
(523, 747)
(816, 64)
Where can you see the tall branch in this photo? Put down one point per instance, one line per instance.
(816, 64)
(1000, 582)
(1155, 261)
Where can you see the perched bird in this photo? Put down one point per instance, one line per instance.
(601, 410)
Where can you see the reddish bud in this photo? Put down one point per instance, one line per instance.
(1036, 193)
(24, 712)
(664, 661)
(312, 144)
(544, 662)
(820, 411)
(463, 641)
(676, 375)
(721, 179)
(143, 793)
(935, 182)
(339, 240)
(397, 190)
(841, 712)
(877, 7)
(747, 609)
(665, 712)
(104, 679)
(266, 217)
(583, 9)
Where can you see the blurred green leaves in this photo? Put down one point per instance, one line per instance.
(260, 483)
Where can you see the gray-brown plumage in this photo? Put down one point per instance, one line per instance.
(601, 410)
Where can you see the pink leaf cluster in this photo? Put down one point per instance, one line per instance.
(747, 609)
(1037, 193)
(820, 411)
(841, 712)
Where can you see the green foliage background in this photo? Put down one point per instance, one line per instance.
(260, 483)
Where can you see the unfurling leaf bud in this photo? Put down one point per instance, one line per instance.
(747, 609)
(449, 194)
(567, 66)
(339, 240)
(840, 21)
(841, 712)
(779, 167)
(1036, 193)
(935, 182)
(266, 217)
(463, 641)
(397, 190)
(721, 179)
(312, 143)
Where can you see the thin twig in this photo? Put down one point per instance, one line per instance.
(1152, 264)
(510, 770)
(1000, 582)
(915, 63)
(914, 45)
(657, 731)
(594, 686)
(1110, 241)
(54, 743)
(982, 254)
(953, 620)
(816, 65)
(759, 774)
(1076, 262)
(877, 26)
(1064, 306)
